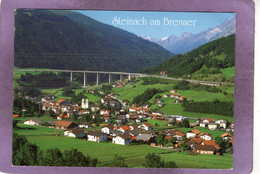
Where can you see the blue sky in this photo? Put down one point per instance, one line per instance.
(199, 21)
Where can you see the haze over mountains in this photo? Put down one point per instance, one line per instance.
(188, 41)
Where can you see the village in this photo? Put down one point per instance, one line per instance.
(122, 123)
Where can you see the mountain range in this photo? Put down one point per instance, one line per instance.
(64, 39)
(188, 41)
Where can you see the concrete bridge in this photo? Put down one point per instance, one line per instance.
(129, 76)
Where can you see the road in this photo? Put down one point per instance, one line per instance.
(132, 74)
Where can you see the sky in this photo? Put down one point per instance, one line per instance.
(144, 23)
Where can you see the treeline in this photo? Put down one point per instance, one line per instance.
(147, 95)
(26, 108)
(194, 60)
(43, 79)
(210, 107)
(151, 81)
(185, 85)
(27, 154)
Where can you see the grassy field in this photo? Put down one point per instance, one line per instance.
(134, 155)
(128, 92)
(177, 109)
(229, 72)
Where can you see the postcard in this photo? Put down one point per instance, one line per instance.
(106, 90)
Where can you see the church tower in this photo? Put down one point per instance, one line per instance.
(84, 103)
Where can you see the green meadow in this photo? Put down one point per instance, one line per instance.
(134, 155)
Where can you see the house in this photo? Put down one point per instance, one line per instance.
(226, 136)
(166, 95)
(204, 149)
(84, 111)
(194, 141)
(33, 121)
(205, 136)
(139, 120)
(211, 142)
(158, 101)
(75, 133)
(65, 125)
(145, 138)
(124, 128)
(107, 119)
(158, 113)
(179, 135)
(132, 109)
(212, 126)
(121, 119)
(146, 126)
(95, 108)
(96, 136)
(84, 124)
(182, 98)
(133, 126)
(190, 134)
(107, 129)
(163, 73)
(16, 115)
(122, 139)
(202, 124)
(104, 111)
(173, 91)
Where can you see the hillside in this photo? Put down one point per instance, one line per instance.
(208, 59)
(62, 39)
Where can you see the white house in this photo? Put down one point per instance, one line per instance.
(190, 134)
(107, 119)
(95, 108)
(75, 133)
(205, 136)
(122, 139)
(146, 126)
(107, 129)
(212, 126)
(202, 124)
(84, 125)
(103, 111)
(96, 136)
(33, 122)
(124, 128)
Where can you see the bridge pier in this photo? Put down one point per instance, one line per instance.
(121, 77)
(129, 76)
(109, 78)
(85, 79)
(97, 79)
(71, 76)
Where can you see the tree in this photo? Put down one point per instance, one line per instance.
(186, 123)
(24, 153)
(160, 139)
(184, 146)
(154, 161)
(118, 161)
(73, 117)
(51, 157)
(75, 158)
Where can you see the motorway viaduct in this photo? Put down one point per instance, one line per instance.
(130, 75)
